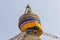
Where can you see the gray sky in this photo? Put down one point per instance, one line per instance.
(11, 10)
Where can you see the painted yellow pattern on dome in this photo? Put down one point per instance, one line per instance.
(30, 25)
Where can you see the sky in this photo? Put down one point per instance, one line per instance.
(11, 10)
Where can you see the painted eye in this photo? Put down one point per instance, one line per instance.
(35, 28)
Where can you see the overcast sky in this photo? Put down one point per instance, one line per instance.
(11, 10)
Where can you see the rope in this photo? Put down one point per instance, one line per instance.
(51, 36)
(20, 36)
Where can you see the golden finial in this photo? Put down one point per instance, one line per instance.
(28, 10)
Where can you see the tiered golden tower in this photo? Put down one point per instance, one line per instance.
(30, 22)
